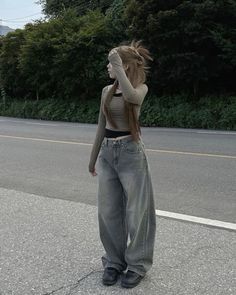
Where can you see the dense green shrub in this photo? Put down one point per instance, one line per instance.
(52, 109)
(165, 111)
(209, 112)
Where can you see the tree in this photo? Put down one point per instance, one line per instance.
(116, 22)
(66, 57)
(54, 8)
(12, 81)
(193, 43)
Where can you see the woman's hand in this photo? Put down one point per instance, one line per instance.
(93, 172)
(114, 57)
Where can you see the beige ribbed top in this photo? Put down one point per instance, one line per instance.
(130, 94)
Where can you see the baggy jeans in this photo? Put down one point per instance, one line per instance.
(126, 210)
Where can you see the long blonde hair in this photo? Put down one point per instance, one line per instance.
(135, 56)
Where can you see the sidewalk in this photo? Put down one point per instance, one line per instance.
(51, 246)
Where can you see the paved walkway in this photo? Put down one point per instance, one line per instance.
(51, 246)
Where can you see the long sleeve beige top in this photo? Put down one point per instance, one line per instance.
(129, 94)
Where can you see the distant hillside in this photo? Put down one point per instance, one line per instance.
(4, 30)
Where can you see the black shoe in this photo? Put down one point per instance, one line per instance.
(131, 279)
(110, 276)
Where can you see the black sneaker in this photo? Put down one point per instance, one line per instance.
(131, 279)
(110, 276)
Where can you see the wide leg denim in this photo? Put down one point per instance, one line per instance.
(126, 210)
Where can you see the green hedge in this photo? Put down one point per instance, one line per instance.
(209, 112)
(51, 109)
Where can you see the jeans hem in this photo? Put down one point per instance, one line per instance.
(141, 273)
(114, 265)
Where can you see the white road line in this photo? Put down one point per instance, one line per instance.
(148, 150)
(60, 124)
(45, 140)
(188, 130)
(41, 124)
(195, 219)
(32, 123)
(192, 154)
(217, 132)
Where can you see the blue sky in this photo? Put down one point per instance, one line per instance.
(16, 13)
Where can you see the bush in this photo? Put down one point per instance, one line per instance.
(209, 112)
(51, 109)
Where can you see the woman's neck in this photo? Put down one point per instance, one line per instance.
(118, 88)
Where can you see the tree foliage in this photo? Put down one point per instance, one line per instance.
(64, 57)
(11, 79)
(54, 8)
(193, 43)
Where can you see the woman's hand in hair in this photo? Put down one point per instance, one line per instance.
(114, 58)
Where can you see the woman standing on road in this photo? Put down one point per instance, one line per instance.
(125, 196)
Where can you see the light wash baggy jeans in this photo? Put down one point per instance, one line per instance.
(126, 210)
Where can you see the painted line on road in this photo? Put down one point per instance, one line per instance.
(199, 220)
(148, 150)
(217, 132)
(188, 130)
(45, 140)
(41, 124)
(193, 154)
(32, 123)
(59, 124)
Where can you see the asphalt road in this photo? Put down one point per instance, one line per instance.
(193, 170)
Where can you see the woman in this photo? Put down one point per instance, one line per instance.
(126, 211)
